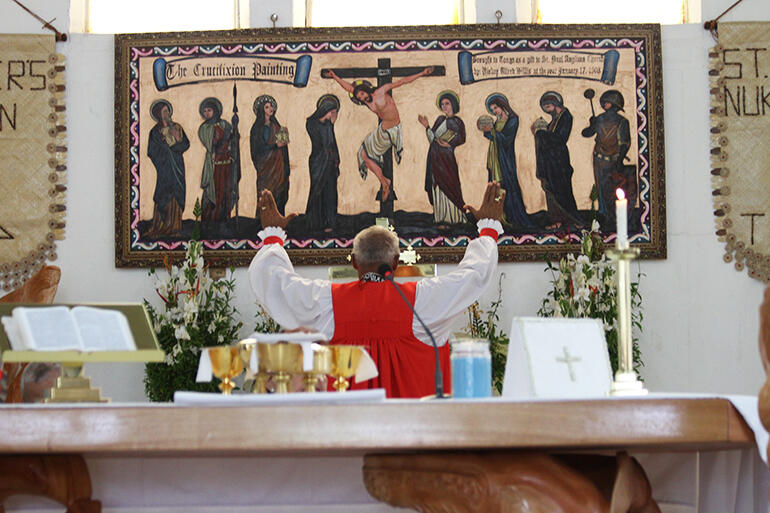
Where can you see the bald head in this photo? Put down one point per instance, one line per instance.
(374, 246)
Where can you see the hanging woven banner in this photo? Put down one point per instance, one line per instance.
(740, 147)
(32, 155)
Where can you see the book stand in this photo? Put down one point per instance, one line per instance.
(72, 386)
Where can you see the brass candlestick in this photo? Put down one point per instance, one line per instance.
(626, 381)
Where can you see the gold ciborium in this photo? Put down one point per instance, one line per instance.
(226, 364)
(281, 359)
(322, 365)
(344, 364)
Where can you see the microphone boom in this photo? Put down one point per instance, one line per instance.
(387, 272)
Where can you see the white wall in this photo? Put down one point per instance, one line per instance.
(700, 314)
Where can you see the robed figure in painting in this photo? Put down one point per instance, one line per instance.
(552, 160)
(501, 159)
(613, 140)
(324, 165)
(166, 144)
(216, 181)
(442, 177)
(269, 151)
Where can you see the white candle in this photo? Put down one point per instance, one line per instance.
(622, 220)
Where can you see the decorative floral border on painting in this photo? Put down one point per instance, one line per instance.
(348, 46)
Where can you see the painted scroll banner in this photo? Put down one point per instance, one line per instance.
(169, 73)
(599, 66)
(32, 145)
(740, 150)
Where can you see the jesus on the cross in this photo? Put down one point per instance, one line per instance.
(387, 135)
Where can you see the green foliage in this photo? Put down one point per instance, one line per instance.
(482, 323)
(586, 286)
(265, 323)
(197, 212)
(196, 312)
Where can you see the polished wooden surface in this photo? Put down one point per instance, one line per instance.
(645, 424)
(61, 478)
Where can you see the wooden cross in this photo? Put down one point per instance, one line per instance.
(568, 359)
(385, 73)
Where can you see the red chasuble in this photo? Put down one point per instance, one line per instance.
(373, 315)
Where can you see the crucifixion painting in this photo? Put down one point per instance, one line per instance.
(342, 164)
(386, 141)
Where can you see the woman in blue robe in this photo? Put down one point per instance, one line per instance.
(501, 161)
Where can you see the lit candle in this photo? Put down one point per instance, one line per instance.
(622, 221)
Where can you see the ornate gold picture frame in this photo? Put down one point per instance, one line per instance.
(397, 125)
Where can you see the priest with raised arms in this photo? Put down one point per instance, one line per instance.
(369, 312)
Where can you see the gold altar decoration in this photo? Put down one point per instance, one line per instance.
(279, 362)
(344, 364)
(740, 151)
(226, 364)
(33, 146)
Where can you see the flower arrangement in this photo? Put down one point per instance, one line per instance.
(483, 324)
(196, 312)
(586, 286)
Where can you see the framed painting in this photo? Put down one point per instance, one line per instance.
(400, 126)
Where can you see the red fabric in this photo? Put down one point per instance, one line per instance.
(273, 239)
(491, 232)
(373, 315)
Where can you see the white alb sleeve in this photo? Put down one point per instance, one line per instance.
(438, 300)
(290, 299)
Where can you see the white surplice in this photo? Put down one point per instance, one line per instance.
(295, 301)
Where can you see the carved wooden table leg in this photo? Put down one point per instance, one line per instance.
(509, 482)
(63, 478)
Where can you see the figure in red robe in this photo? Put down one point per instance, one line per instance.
(442, 176)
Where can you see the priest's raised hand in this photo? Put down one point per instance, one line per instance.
(491, 204)
(268, 211)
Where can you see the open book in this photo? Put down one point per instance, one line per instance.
(60, 328)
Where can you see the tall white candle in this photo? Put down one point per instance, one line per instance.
(622, 219)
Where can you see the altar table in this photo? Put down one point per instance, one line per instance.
(322, 444)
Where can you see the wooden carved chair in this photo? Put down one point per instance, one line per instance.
(40, 288)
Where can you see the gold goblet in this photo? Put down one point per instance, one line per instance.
(322, 365)
(226, 363)
(259, 385)
(282, 359)
(344, 364)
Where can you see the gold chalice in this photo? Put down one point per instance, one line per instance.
(344, 364)
(226, 363)
(322, 365)
(281, 359)
(259, 385)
